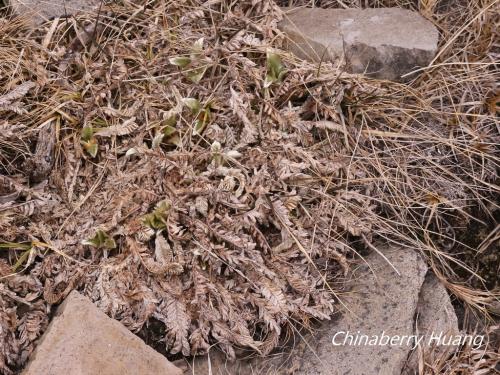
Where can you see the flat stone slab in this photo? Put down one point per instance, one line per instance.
(382, 303)
(435, 317)
(383, 43)
(42, 10)
(83, 340)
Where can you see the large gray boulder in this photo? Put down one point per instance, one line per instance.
(383, 43)
(381, 303)
(83, 340)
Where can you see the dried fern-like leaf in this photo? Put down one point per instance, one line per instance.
(128, 127)
(8, 102)
(172, 313)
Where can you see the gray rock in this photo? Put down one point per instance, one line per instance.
(383, 43)
(40, 11)
(435, 315)
(83, 340)
(381, 301)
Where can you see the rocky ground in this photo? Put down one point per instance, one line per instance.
(216, 188)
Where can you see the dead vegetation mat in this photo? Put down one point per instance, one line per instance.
(171, 162)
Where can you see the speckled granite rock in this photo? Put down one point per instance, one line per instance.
(381, 302)
(383, 43)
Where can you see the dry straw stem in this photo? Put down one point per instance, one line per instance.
(467, 360)
(235, 206)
